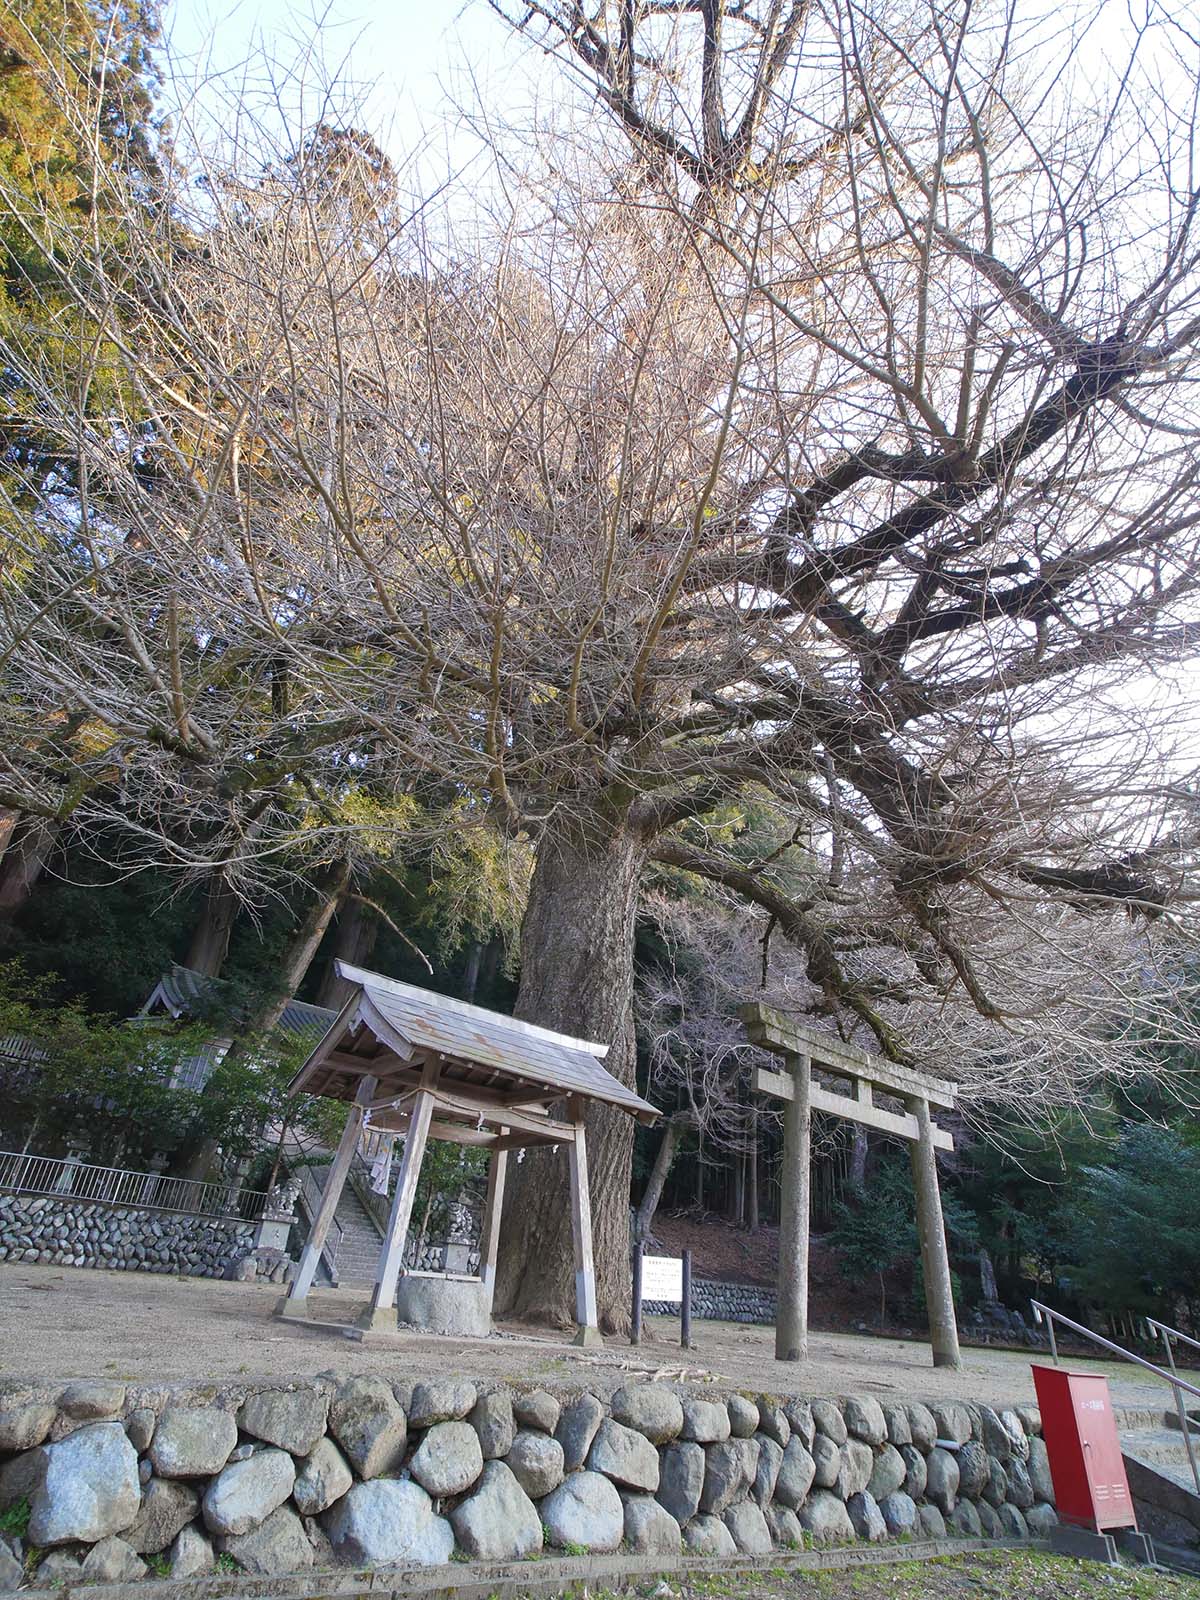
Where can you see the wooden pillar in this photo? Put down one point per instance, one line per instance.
(295, 1303)
(489, 1241)
(581, 1233)
(381, 1313)
(931, 1231)
(791, 1317)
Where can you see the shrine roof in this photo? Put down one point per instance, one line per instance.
(391, 1030)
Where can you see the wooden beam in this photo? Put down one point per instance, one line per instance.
(335, 1182)
(381, 1311)
(506, 1116)
(489, 1241)
(773, 1031)
(779, 1086)
(581, 1237)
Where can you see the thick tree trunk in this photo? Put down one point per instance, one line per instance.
(858, 1160)
(210, 938)
(576, 977)
(663, 1158)
(328, 890)
(354, 940)
(28, 842)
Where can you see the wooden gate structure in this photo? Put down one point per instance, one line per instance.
(804, 1049)
(433, 1067)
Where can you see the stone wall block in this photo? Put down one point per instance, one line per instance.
(388, 1523)
(536, 1462)
(191, 1554)
(864, 1419)
(772, 1420)
(443, 1400)
(941, 1485)
(796, 1473)
(922, 1425)
(899, 1429)
(800, 1421)
(498, 1521)
(625, 1456)
(650, 1529)
(577, 1427)
(915, 1471)
(537, 1409)
(854, 1472)
(90, 1488)
(24, 1427)
(888, 1473)
(167, 1507)
(369, 1424)
(974, 1470)
(277, 1545)
(323, 1478)
(899, 1513)
(681, 1479)
(829, 1420)
(448, 1459)
(492, 1419)
(192, 1443)
(784, 1525)
(705, 1421)
(245, 1493)
(112, 1561)
(650, 1408)
(293, 1419)
(743, 1416)
(585, 1510)
(729, 1470)
(825, 1519)
(770, 1459)
(748, 1526)
(707, 1535)
(827, 1461)
(953, 1422)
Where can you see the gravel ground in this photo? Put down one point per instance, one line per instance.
(58, 1323)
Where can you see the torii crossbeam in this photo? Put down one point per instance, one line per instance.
(803, 1049)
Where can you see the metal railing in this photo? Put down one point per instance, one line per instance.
(65, 1178)
(1169, 1336)
(311, 1190)
(1178, 1385)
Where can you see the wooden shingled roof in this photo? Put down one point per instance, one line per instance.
(491, 1069)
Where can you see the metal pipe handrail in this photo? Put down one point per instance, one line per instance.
(1178, 1385)
(65, 1179)
(1169, 1333)
(311, 1193)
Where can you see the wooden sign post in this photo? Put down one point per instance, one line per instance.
(804, 1049)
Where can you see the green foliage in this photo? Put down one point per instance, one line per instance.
(1137, 1235)
(106, 1087)
(15, 1520)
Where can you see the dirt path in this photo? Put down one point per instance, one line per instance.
(58, 1323)
(993, 1575)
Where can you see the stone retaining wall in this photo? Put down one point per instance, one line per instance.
(101, 1482)
(76, 1233)
(722, 1302)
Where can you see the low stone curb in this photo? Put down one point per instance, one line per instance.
(481, 1580)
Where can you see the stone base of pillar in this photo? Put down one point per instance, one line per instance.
(292, 1307)
(377, 1319)
(590, 1338)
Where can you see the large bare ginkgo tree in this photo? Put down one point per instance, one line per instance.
(806, 415)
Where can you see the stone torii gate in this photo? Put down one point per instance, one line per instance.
(804, 1048)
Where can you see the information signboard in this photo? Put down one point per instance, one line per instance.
(662, 1279)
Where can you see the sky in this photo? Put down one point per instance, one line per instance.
(409, 59)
